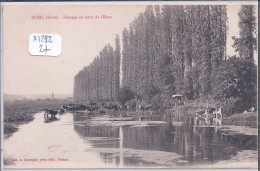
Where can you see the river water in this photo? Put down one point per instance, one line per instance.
(80, 141)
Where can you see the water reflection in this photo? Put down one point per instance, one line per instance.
(197, 145)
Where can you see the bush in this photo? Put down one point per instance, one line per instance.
(157, 102)
(232, 106)
(235, 83)
(150, 92)
(125, 94)
(9, 128)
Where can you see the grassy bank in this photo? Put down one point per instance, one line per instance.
(20, 112)
(13, 117)
(240, 119)
(188, 109)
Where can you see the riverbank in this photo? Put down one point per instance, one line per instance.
(14, 118)
(117, 142)
(189, 109)
(239, 119)
(242, 119)
(21, 112)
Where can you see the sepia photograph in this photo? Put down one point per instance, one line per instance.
(140, 85)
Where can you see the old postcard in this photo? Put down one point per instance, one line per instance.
(117, 85)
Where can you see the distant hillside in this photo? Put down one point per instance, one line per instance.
(9, 97)
(45, 96)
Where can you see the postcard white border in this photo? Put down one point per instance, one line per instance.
(109, 3)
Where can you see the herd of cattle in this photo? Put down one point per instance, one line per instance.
(79, 107)
(210, 116)
(74, 107)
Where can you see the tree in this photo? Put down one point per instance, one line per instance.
(150, 92)
(246, 44)
(166, 45)
(125, 94)
(125, 57)
(237, 78)
(116, 67)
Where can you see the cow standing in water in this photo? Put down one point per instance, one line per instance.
(52, 113)
(209, 116)
(148, 107)
(115, 107)
(217, 120)
(91, 107)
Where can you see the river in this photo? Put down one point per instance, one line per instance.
(81, 141)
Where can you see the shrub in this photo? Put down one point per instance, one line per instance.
(125, 94)
(235, 83)
(150, 92)
(157, 102)
(232, 106)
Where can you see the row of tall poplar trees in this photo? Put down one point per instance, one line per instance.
(167, 50)
(100, 79)
(174, 48)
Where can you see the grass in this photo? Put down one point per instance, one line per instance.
(242, 119)
(20, 112)
(189, 108)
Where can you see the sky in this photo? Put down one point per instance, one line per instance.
(82, 40)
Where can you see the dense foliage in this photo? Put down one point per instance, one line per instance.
(125, 94)
(246, 43)
(174, 48)
(99, 80)
(236, 82)
(178, 49)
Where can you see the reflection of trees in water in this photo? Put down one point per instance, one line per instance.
(99, 136)
(148, 137)
(241, 142)
(110, 159)
(214, 146)
(80, 117)
(196, 144)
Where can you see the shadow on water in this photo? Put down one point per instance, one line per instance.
(197, 145)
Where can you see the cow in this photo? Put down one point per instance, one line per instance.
(147, 107)
(208, 117)
(69, 107)
(92, 107)
(72, 107)
(50, 112)
(217, 119)
(61, 111)
(81, 107)
(115, 107)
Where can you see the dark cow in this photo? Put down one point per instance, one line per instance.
(205, 112)
(50, 112)
(115, 107)
(92, 107)
(81, 107)
(122, 108)
(69, 107)
(211, 110)
(62, 111)
(209, 116)
(73, 107)
(92, 104)
(148, 107)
